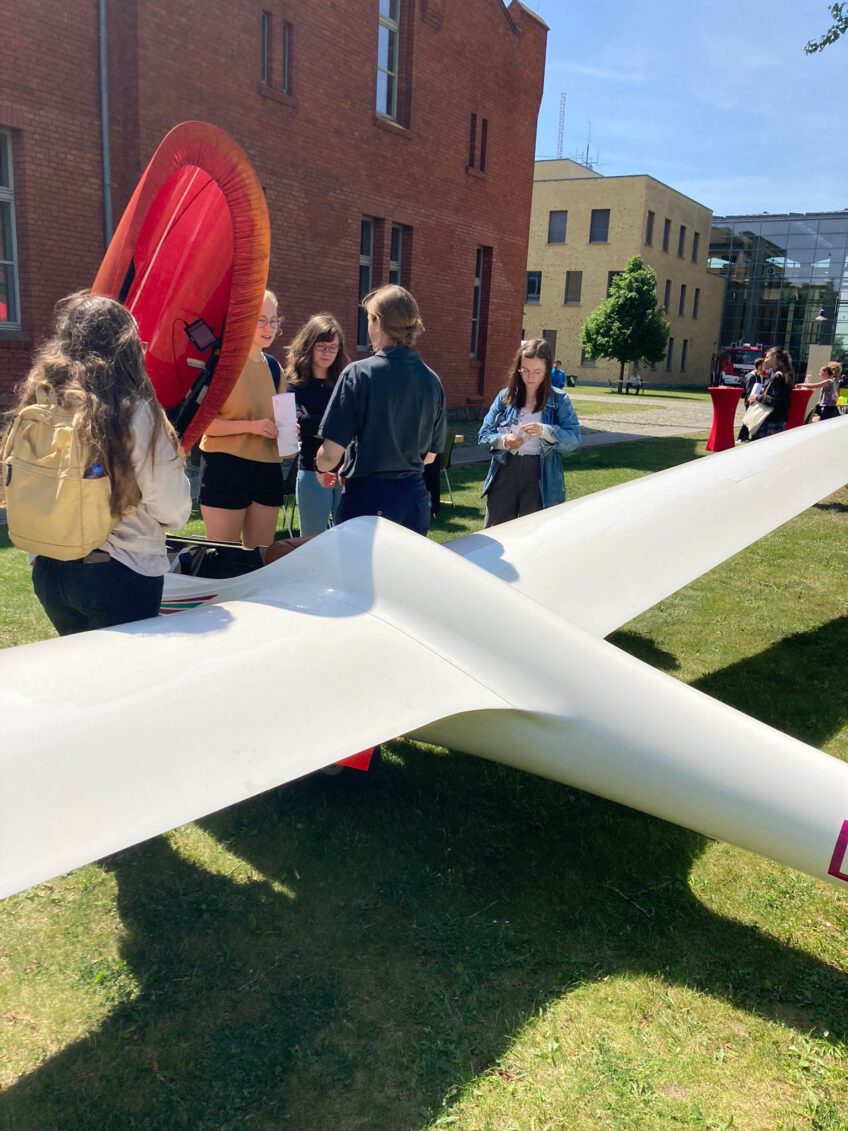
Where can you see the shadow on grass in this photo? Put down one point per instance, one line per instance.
(399, 938)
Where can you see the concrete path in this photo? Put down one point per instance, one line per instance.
(649, 417)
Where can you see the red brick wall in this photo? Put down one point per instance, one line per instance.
(49, 100)
(323, 158)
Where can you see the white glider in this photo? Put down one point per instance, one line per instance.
(402, 636)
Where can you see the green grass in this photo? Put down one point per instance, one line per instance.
(460, 945)
(674, 393)
(609, 407)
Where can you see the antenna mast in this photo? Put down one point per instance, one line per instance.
(561, 130)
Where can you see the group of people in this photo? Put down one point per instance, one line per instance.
(770, 384)
(366, 431)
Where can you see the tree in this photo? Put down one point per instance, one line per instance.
(839, 14)
(628, 326)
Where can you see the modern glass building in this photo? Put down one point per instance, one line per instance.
(786, 280)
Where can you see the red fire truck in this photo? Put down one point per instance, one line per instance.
(733, 363)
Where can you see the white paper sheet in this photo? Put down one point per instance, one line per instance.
(285, 417)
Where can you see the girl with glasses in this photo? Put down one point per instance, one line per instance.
(241, 477)
(314, 359)
(526, 429)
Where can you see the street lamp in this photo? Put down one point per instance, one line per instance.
(819, 320)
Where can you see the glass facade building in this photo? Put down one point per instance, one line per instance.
(785, 280)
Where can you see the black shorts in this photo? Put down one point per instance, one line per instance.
(232, 483)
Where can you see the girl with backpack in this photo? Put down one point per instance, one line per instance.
(92, 389)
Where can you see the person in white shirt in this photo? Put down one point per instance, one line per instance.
(94, 364)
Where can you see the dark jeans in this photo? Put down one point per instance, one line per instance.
(404, 501)
(81, 595)
(515, 490)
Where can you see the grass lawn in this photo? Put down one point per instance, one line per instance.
(457, 944)
(675, 393)
(613, 406)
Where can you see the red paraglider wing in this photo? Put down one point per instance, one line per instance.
(190, 260)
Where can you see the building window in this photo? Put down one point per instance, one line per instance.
(599, 225)
(666, 233)
(681, 241)
(476, 303)
(478, 159)
(396, 255)
(649, 230)
(667, 296)
(684, 349)
(265, 59)
(480, 313)
(550, 336)
(10, 314)
(610, 276)
(388, 37)
(587, 361)
(366, 277)
(533, 293)
(573, 287)
(669, 354)
(696, 239)
(286, 84)
(557, 225)
(681, 306)
(696, 302)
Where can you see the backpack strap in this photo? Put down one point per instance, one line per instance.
(276, 370)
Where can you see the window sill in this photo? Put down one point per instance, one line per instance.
(391, 126)
(480, 174)
(276, 95)
(572, 303)
(532, 302)
(598, 241)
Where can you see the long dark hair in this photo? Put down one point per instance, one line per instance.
(319, 328)
(783, 364)
(94, 364)
(516, 390)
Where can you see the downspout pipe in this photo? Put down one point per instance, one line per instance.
(103, 45)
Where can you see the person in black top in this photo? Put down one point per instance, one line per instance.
(386, 417)
(314, 360)
(777, 391)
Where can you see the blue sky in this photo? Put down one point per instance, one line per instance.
(717, 100)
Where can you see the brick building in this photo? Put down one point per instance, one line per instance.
(584, 228)
(394, 140)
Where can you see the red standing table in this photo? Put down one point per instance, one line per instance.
(725, 398)
(799, 398)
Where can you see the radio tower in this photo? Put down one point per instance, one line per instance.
(561, 130)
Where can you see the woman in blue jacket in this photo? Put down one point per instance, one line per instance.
(526, 429)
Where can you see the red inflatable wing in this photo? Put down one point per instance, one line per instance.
(190, 260)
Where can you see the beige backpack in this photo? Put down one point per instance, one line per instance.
(57, 499)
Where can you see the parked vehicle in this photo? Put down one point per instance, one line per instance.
(733, 363)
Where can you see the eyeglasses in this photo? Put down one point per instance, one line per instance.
(326, 347)
(274, 323)
(525, 373)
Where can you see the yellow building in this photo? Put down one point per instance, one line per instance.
(583, 229)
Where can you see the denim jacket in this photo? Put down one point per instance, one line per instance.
(560, 417)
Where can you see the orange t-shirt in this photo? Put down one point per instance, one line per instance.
(249, 399)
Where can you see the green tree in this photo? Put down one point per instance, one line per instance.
(628, 326)
(839, 15)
